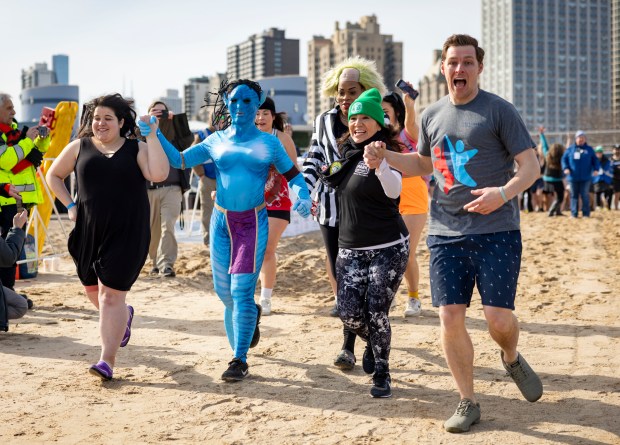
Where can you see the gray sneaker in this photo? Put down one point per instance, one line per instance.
(466, 415)
(524, 376)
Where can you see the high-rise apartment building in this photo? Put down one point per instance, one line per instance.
(354, 39)
(264, 55)
(551, 59)
(60, 66)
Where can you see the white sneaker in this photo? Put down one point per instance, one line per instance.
(266, 305)
(414, 308)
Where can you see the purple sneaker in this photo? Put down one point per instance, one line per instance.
(128, 329)
(101, 370)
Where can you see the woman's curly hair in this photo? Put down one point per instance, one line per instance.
(123, 109)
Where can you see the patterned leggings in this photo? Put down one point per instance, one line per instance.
(367, 283)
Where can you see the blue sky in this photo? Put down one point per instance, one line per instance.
(145, 47)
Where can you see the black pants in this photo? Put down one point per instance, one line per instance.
(556, 206)
(7, 274)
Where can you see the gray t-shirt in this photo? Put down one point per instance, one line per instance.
(472, 146)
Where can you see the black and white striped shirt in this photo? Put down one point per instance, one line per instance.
(323, 151)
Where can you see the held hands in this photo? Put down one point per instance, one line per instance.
(489, 199)
(147, 124)
(20, 219)
(374, 153)
(303, 207)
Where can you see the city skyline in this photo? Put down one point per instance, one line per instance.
(162, 49)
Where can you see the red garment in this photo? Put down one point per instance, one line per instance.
(276, 192)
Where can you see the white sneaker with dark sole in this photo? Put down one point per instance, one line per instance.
(414, 308)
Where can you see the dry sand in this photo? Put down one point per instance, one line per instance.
(167, 386)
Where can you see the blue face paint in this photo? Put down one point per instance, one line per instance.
(242, 104)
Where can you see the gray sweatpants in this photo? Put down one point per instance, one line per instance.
(16, 305)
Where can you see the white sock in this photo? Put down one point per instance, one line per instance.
(265, 294)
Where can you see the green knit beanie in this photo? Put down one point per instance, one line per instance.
(368, 103)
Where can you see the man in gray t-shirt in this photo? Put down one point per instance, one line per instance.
(471, 141)
(472, 146)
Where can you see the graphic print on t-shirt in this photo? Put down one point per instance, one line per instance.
(451, 163)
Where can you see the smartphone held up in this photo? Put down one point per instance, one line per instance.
(405, 88)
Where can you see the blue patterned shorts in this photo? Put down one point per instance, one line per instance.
(490, 261)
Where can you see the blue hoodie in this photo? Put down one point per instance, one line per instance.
(581, 161)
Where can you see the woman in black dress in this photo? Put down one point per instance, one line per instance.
(110, 241)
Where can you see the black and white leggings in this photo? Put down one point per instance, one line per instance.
(367, 283)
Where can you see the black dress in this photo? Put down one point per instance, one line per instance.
(111, 237)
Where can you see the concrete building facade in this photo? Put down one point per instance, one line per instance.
(362, 39)
(433, 85)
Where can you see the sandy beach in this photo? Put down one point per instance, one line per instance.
(167, 386)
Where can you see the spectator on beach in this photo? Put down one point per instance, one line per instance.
(373, 240)
(166, 197)
(276, 198)
(21, 152)
(615, 161)
(242, 155)
(553, 175)
(344, 82)
(579, 163)
(470, 140)
(414, 195)
(110, 241)
(603, 180)
(207, 184)
(12, 305)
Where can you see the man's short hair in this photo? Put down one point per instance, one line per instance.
(462, 40)
(4, 97)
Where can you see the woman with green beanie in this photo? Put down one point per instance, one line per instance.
(344, 83)
(373, 241)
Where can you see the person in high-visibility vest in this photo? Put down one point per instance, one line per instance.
(21, 152)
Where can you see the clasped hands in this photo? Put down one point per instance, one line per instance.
(147, 124)
(374, 153)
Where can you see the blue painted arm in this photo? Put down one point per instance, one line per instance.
(303, 205)
(195, 155)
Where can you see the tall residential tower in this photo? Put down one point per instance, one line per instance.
(551, 59)
(264, 55)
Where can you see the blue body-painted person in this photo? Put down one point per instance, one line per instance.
(242, 155)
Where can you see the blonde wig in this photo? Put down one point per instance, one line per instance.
(369, 76)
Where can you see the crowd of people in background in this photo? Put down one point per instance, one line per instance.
(576, 178)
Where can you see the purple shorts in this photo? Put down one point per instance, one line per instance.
(243, 229)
